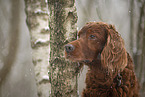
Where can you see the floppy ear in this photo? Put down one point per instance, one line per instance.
(114, 56)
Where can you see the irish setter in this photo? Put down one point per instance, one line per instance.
(111, 71)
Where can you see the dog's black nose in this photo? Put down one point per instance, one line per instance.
(69, 48)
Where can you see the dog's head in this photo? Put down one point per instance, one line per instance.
(97, 39)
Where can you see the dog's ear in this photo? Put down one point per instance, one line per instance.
(114, 56)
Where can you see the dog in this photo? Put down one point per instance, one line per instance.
(111, 71)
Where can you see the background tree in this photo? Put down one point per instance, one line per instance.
(62, 25)
(16, 69)
(137, 36)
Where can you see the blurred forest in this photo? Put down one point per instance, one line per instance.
(33, 33)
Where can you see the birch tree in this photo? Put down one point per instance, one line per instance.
(37, 21)
(62, 25)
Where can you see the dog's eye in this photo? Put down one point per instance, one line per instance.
(92, 37)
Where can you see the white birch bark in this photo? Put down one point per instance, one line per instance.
(37, 21)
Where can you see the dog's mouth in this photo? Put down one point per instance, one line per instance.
(87, 61)
(75, 59)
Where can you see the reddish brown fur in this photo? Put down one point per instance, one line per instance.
(101, 48)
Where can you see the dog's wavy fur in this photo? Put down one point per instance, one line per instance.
(111, 71)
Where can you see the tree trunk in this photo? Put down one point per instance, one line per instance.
(131, 25)
(62, 25)
(139, 53)
(16, 70)
(37, 21)
(7, 60)
(143, 63)
(141, 47)
(142, 67)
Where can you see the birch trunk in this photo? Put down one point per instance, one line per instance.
(63, 19)
(37, 21)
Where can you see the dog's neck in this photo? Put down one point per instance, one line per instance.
(96, 70)
(101, 75)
